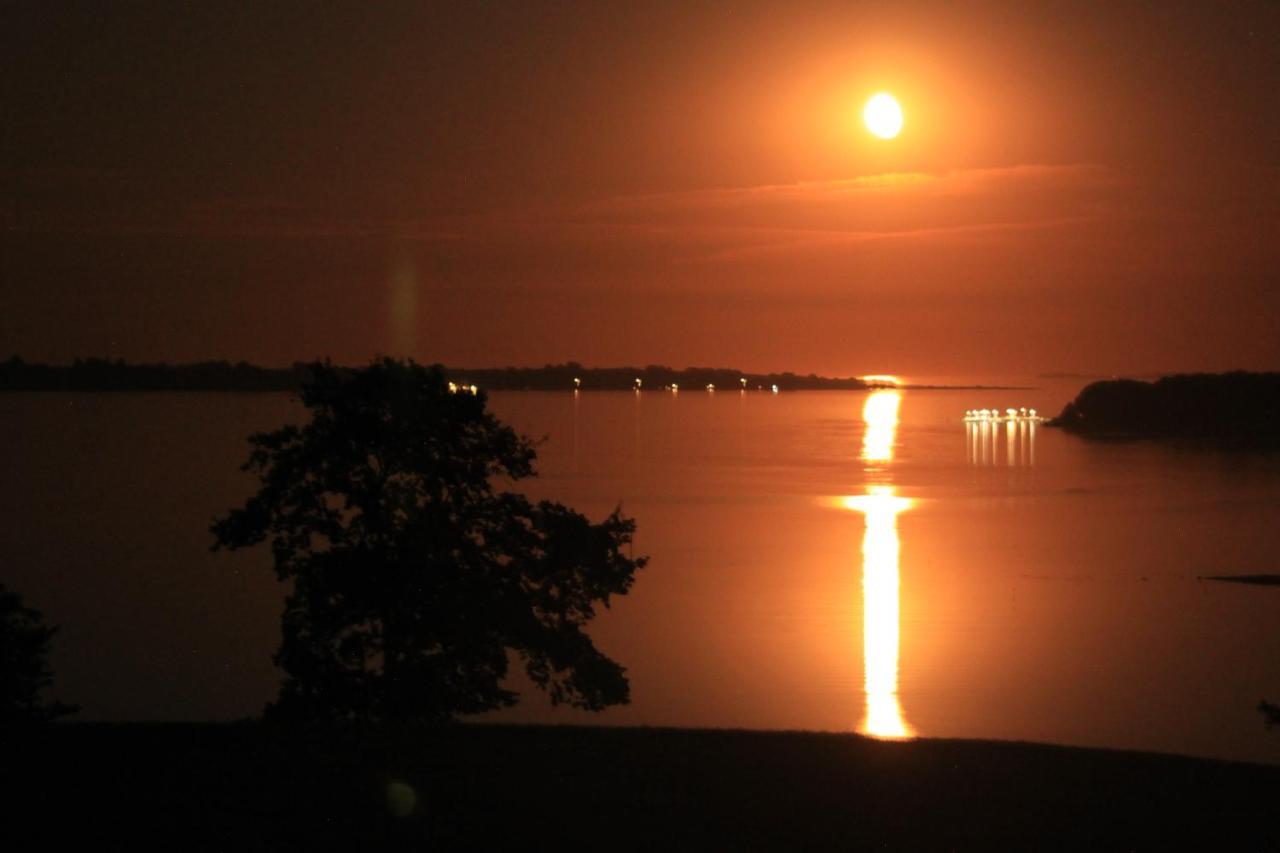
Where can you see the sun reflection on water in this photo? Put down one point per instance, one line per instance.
(880, 586)
(881, 415)
(880, 577)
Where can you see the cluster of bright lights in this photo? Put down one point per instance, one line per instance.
(455, 388)
(995, 416)
(674, 387)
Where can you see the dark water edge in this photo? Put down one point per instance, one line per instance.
(247, 787)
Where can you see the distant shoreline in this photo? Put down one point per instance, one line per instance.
(104, 375)
(1254, 580)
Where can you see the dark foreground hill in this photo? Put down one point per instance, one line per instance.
(1238, 408)
(245, 787)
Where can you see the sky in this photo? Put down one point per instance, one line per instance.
(1079, 187)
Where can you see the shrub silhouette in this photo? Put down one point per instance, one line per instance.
(413, 578)
(24, 667)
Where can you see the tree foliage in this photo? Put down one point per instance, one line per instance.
(413, 577)
(24, 663)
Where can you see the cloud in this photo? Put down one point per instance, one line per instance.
(740, 223)
(814, 240)
(868, 188)
(891, 214)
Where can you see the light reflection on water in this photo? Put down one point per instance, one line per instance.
(983, 440)
(880, 413)
(1057, 600)
(880, 585)
(880, 570)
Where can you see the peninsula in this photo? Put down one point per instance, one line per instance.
(1236, 408)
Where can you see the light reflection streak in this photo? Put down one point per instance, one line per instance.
(880, 573)
(637, 414)
(880, 619)
(576, 397)
(881, 415)
(982, 442)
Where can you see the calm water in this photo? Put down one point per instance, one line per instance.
(819, 560)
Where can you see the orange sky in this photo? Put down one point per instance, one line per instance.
(1077, 188)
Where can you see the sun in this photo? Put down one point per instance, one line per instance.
(883, 116)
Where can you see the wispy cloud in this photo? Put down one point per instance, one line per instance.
(729, 224)
(696, 226)
(818, 239)
(972, 182)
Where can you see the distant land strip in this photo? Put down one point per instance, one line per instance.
(1257, 580)
(101, 374)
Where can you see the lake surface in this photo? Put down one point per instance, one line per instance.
(826, 560)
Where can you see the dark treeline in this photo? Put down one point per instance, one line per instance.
(1236, 407)
(99, 374)
(652, 377)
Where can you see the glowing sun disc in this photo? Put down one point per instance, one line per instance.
(883, 116)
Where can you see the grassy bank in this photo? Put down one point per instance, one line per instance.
(244, 787)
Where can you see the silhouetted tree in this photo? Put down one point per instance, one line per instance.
(412, 576)
(24, 663)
